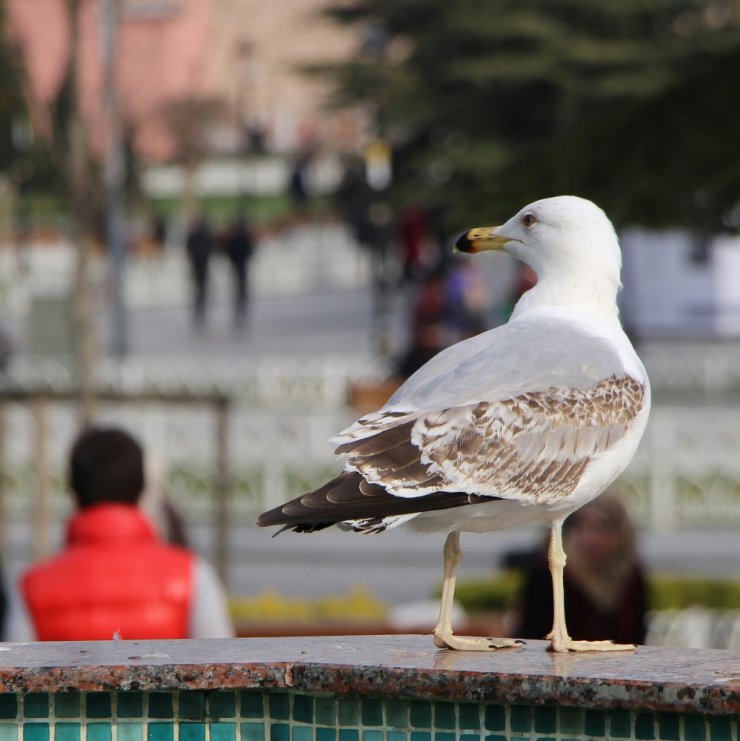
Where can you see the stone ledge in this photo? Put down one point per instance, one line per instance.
(408, 666)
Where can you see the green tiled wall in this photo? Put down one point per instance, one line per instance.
(283, 716)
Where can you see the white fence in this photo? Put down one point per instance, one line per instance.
(695, 627)
(686, 473)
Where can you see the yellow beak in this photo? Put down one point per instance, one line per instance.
(480, 239)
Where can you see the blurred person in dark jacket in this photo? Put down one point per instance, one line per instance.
(115, 577)
(6, 350)
(605, 586)
(239, 247)
(200, 246)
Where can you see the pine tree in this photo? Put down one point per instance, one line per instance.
(493, 103)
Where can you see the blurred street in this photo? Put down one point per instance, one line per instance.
(306, 325)
(397, 567)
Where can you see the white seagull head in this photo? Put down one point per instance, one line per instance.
(570, 244)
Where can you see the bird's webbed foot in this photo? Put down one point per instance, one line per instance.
(565, 644)
(474, 643)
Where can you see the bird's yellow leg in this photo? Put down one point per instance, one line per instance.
(560, 641)
(443, 636)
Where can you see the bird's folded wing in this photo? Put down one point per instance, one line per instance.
(534, 447)
(516, 358)
(519, 357)
(522, 422)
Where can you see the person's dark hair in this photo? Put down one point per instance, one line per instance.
(106, 465)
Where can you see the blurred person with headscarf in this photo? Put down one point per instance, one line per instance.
(605, 586)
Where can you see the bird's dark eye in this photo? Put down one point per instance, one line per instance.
(529, 220)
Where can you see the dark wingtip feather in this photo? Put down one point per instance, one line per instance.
(303, 528)
(274, 516)
(349, 497)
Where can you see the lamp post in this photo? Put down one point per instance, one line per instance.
(244, 92)
(114, 177)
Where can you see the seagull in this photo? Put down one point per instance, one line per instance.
(528, 421)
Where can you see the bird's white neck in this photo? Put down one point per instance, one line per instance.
(583, 289)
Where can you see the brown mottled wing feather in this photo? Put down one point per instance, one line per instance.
(349, 497)
(533, 447)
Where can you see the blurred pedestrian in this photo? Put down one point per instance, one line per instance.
(158, 507)
(239, 249)
(158, 233)
(297, 188)
(200, 246)
(6, 350)
(115, 578)
(427, 333)
(351, 198)
(605, 586)
(413, 237)
(3, 610)
(449, 307)
(466, 301)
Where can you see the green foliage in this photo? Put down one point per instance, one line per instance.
(628, 103)
(358, 606)
(23, 159)
(262, 210)
(677, 593)
(666, 592)
(483, 595)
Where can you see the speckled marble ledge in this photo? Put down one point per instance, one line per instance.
(654, 679)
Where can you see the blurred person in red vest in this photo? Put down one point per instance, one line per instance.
(115, 578)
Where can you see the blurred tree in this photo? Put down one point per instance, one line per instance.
(189, 121)
(74, 175)
(12, 104)
(492, 103)
(58, 159)
(659, 162)
(23, 158)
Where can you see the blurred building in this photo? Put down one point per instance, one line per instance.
(243, 57)
(677, 285)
